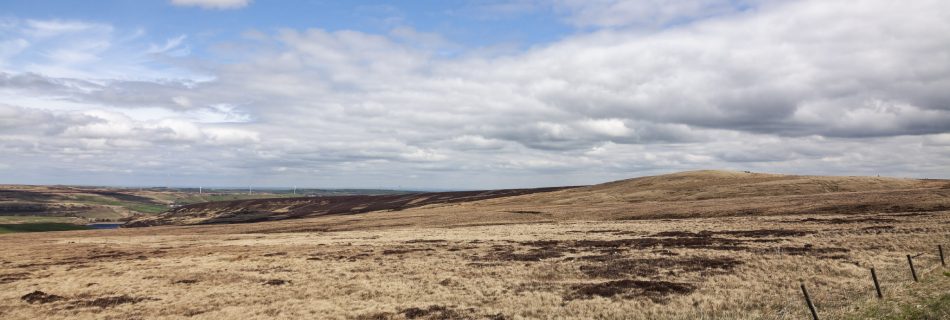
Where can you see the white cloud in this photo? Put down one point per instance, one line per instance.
(213, 4)
(52, 28)
(86, 50)
(173, 47)
(805, 86)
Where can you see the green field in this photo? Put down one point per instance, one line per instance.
(40, 227)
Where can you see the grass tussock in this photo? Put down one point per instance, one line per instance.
(731, 268)
(709, 245)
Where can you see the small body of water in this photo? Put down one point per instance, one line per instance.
(104, 225)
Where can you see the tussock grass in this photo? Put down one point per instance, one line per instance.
(701, 245)
(717, 268)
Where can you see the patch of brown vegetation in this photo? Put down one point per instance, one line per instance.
(274, 254)
(679, 242)
(614, 267)
(405, 250)
(656, 291)
(758, 233)
(40, 297)
(186, 281)
(846, 220)
(276, 282)
(13, 277)
(426, 241)
(820, 252)
(435, 312)
(509, 253)
(376, 316)
(108, 302)
(341, 256)
(762, 233)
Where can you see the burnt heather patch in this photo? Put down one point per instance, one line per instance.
(108, 302)
(40, 297)
(656, 291)
(615, 267)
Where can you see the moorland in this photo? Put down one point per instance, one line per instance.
(691, 245)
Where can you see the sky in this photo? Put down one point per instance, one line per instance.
(468, 94)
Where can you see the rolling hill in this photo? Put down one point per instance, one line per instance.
(679, 195)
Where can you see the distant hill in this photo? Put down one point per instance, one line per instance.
(677, 195)
(245, 211)
(716, 184)
(83, 204)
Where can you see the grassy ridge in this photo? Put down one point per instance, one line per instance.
(40, 227)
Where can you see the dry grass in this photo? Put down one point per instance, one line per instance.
(676, 269)
(600, 255)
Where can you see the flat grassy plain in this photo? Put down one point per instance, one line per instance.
(525, 257)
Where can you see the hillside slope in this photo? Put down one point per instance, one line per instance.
(678, 195)
(714, 184)
(244, 211)
(81, 203)
(715, 193)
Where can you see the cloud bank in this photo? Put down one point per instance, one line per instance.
(808, 86)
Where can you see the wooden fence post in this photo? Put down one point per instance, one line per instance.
(913, 271)
(942, 262)
(811, 306)
(876, 285)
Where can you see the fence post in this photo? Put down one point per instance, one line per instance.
(940, 248)
(913, 271)
(811, 306)
(876, 285)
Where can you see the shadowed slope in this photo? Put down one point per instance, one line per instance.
(244, 211)
(678, 195)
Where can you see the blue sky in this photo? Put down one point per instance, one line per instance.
(468, 94)
(469, 24)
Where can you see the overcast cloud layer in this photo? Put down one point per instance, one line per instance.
(641, 87)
